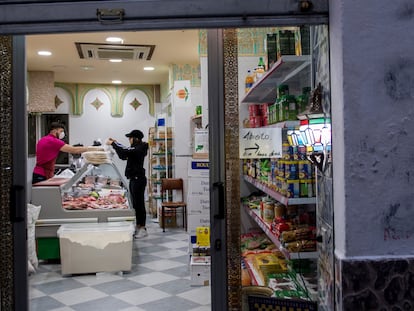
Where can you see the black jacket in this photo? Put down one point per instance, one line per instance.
(135, 158)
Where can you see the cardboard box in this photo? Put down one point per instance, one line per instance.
(170, 218)
(198, 186)
(198, 168)
(200, 268)
(95, 247)
(198, 205)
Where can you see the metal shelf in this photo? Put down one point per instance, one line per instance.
(267, 230)
(162, 139)
(277, 196)
(288, 69)
(255, 277)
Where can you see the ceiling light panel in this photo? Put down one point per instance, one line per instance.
(44, 53)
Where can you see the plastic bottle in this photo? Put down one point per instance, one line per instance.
(248, 81)
(261, 63)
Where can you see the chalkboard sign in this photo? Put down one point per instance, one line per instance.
(260, 143)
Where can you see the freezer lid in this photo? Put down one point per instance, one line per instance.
(124, 226)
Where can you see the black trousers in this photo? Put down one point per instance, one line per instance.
(137, 193)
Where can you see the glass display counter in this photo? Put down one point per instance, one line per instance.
(96, 193)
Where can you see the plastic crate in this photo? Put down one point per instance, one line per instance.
(260, 303)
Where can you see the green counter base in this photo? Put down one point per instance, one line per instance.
(48, 248)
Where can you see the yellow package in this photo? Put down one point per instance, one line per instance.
(203, 236)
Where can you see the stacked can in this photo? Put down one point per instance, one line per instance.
(258, 115)
(254, 116)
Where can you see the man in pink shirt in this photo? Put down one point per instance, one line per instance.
(47, 150)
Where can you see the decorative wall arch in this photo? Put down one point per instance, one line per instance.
(116, 93)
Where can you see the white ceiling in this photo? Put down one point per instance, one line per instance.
(171, 47)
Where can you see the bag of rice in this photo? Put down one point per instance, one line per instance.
(33, 212)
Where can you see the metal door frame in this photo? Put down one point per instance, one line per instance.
(19, 18)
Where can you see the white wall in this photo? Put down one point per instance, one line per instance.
(373, 112)
(204, 90)
(99, 124)
(181, 121)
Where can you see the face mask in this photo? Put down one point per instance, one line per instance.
(62, 135)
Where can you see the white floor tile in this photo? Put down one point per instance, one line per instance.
(99, 278)
(142, 295)
(202, 308)
(200, 295)
(34, 293)
(63, 309)
(160, 265)
(78, 295)
(132, 309)
(153, 278)
(171, 253)
(180, 236)
(141, 244)
(42, 278)
(175, 244)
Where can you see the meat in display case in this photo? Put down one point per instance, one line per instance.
(96, 193)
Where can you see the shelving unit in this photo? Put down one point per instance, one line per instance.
(295, 72)
(160, 165)
(268, 231)
(290, 70)
(277, 196)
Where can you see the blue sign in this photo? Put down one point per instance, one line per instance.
(200, 165)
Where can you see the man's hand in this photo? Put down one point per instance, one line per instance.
(110, 141)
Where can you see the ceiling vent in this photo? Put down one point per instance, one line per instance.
(114, 51)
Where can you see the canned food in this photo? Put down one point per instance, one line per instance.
(306, 188)
(281, 168)
(280, 210)
(291, 170)
(292, 188)
(254, 110)
(304, 169)
(268, 211)
(285, 151)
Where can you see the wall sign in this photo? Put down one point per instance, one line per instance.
(260, 143)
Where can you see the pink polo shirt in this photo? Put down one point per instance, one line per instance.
(47, 150)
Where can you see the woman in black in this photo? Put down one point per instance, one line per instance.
(135, 172)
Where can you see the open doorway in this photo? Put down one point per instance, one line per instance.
(106, 89)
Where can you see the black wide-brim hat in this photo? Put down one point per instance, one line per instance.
(135, 133)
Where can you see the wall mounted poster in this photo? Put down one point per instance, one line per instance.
(182, 93)
(260, 143)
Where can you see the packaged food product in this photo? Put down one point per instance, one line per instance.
(306, 188)
(282, 89)
(291, 169)
(280, 210)
(304, 169)
(268, 211)
(292, 188)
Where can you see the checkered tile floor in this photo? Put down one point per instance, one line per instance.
(159, 280)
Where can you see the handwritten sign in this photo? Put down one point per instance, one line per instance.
(260, 143)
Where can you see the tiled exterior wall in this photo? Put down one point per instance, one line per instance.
(381, 285)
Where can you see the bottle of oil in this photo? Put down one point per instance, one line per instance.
(248, 81)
